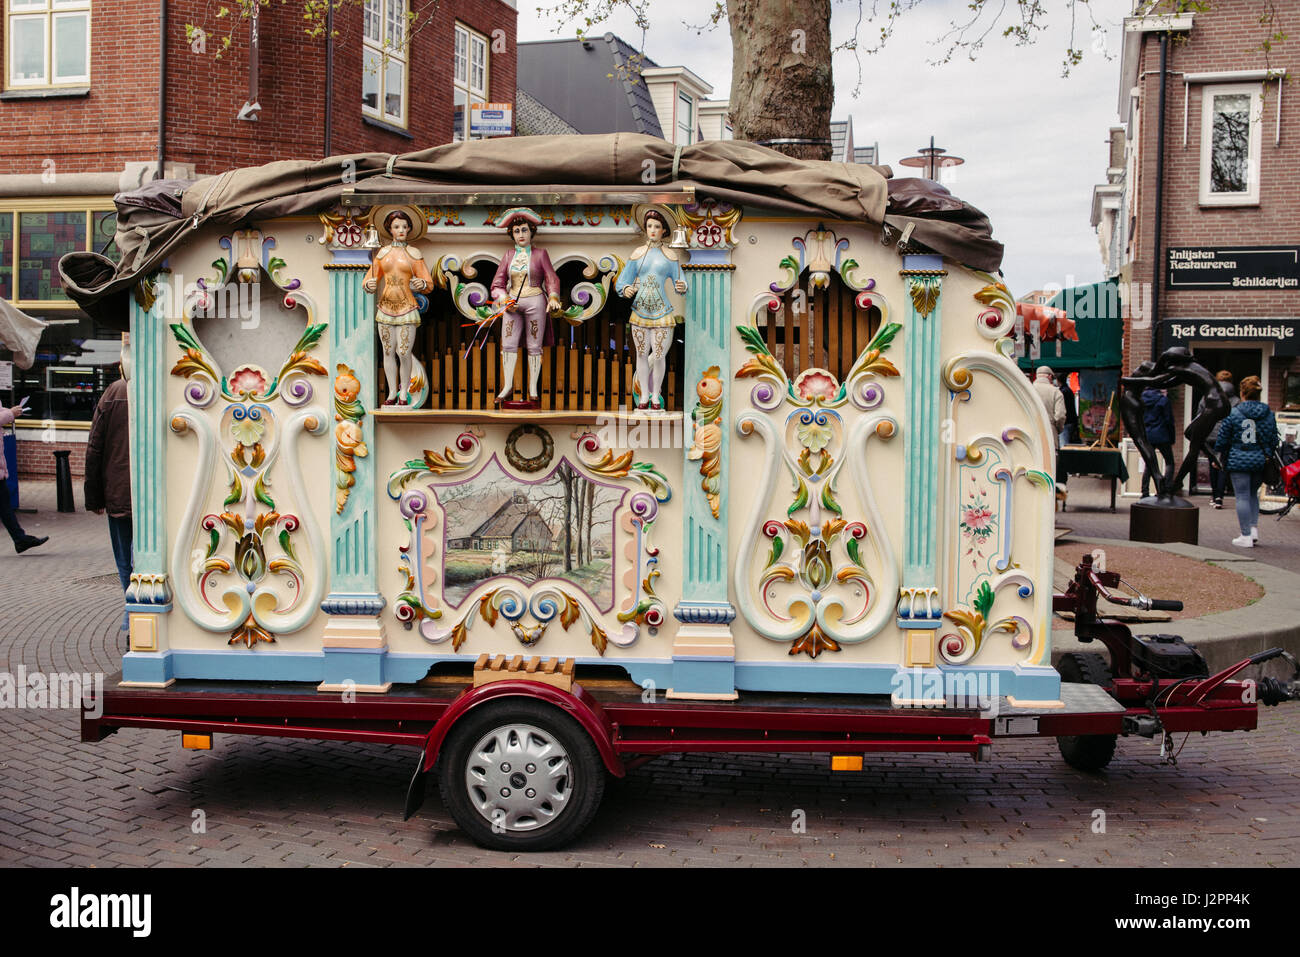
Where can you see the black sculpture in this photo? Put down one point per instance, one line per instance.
(1174, 367)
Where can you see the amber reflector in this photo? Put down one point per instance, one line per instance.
(846, 762)
(203, 742)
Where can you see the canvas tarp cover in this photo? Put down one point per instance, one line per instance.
(153, 222)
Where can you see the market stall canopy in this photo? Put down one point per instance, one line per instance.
(154, 221)
(1095, 312)
(1052, 323)
(20, 333)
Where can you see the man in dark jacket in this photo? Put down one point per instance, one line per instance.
(1158, 418)
(1070, 435)
(108, 476)
(1218, 476)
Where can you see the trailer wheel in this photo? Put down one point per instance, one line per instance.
(1086, 752)
(520, 775)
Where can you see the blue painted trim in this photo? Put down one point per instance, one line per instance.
(1027, 683)
(351, 257)
(709, 257)
(921, 623)
(233, 665)
(922, 261)
(704, 553)
(363, 666)
(342, 603)
(154, 667)
(141, 608)
(703, 676)
(705, 612)
(677, 658)
(700, 675)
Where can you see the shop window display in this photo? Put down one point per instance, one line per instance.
(43, 239)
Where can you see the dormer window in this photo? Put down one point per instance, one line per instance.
(685, 119)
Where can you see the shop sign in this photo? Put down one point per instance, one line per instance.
(1284, 332)
(1239, 267)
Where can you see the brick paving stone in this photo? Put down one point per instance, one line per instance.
(128, 800)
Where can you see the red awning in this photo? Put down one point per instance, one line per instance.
(1052, 323)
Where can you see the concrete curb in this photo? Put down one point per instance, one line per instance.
(1226, 637)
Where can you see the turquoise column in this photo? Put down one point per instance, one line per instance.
(704, 651)
(354, 641)
(919, 602)
(148, 596)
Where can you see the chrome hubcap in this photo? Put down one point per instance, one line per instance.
(517, 777)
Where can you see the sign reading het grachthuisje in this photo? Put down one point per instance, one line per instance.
(1237, 267)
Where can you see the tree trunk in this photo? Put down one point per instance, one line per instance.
(566, 474)
(580, 504)
(591, 515)
(781, 85)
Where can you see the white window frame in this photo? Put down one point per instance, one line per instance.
(390, 48)
(691, 120)
(464, 74)
(1255, 92)
(46, 11)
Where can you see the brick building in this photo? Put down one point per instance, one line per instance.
(94, 102)
(1204, 237)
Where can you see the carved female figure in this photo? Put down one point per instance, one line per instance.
(643, 280)
(527, 288)
(398, 271)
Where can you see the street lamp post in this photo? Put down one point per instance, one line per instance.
(933, 158)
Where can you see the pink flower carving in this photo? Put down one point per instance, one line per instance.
(248, 380)
(816, 384)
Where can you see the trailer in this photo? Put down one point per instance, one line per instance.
(703, 449)
(521, 750)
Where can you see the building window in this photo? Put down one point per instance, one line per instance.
(76, 358)
(49, 42)
(1290, 391)
(685, 119)
(383, 60)
(469, 78)
(1230, 144)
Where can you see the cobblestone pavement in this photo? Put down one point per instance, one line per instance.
(134, 798)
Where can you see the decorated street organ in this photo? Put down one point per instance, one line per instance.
(745, 424)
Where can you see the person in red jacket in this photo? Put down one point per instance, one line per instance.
(108, 476)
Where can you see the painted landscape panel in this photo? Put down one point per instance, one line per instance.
(559, 527)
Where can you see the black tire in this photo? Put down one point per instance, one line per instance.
(1086, 752)
(568, 773)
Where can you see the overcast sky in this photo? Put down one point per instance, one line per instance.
(1034, 142)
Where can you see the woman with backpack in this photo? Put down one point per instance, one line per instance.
(1249, 436)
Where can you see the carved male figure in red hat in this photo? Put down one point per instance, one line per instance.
(526, 278)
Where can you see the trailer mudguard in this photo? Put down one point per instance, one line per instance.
(577, 704)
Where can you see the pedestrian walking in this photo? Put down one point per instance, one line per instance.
(1054, 403)
(1070, 434)
(108, 476)
(22, 541)
(1249, 436)
(1218, 476)
(1158, 418)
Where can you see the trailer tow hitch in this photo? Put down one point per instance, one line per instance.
(1273, 691)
